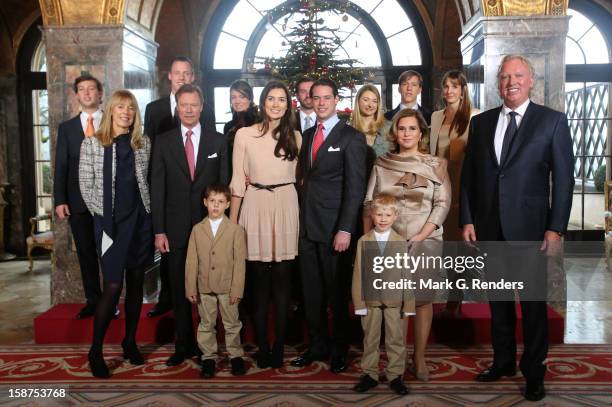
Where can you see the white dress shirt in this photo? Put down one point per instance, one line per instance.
(172, 104)
(195, 140)
(97, 118)
(214, 225)
(303, 116)
(502, 125)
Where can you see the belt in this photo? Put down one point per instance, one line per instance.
(270, 188)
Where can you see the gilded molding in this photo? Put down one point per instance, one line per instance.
(492, 8)
(51, 12)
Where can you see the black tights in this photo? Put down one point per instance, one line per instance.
(270, 278)
(105, 310)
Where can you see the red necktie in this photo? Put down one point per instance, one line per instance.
(316, 143)
(189, 154)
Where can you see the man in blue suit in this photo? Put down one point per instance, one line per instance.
(516, 185)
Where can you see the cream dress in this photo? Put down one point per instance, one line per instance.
(270, 218)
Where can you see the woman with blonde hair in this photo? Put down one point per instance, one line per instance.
(449, 135)
(420, 183)
(113, 170)
(368, 117)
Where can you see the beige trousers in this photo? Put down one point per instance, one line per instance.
(207, 334)
(395, 341)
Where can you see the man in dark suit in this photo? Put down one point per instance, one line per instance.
(160, 117)
(66, 194)
(410, 86)
(304, 115)
(185, 161)
(333, 170)
(516, 185)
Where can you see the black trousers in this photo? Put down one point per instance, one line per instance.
(164, 298)
(82, 227)
(185, 337)
(325, 284)
(528, 265)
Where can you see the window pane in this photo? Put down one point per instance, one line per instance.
(405, 48)
(39, 60)
(578, 24)
(361, 46)
(44, 206)
(41, 143)
(45, 173)
(229, 52)
(391, 17)
(271, 45)
(594, 47)
(40, 106)
(242, 21)
(265, 5)
(223, 113)
(573, 53)
(367, 5)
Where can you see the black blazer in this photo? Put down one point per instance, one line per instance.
(158, 118)
(334, 186)
(66, 178)
(176, 202)
(424, 111)
(518, 195)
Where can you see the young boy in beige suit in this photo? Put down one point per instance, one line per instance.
(214, 277)
(375, 305)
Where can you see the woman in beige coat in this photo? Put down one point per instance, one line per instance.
(421, 184)
(448, 138)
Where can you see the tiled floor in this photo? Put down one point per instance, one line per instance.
(24, 295)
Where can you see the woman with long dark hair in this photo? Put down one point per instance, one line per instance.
(244, 112)
(267, 154)
(113, 170)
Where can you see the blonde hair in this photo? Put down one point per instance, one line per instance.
(521, 58)
(384, 200)
(105, 133)
(357, 120)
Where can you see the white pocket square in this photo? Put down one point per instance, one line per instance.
(333, 149)
(212, 155)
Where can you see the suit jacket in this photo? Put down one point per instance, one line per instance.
(424, 111)
(390, 298)
(518, 195)
(91, 173)
(176, 201)
(334, 185)
(66, 178)
(216, 264)
(158, 118)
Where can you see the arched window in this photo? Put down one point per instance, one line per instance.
(37, 183)
(386, 36)
(587, 95)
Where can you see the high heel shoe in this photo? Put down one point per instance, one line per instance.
(132, 354)
(97, 365)
(420, 375)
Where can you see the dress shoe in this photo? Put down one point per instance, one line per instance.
(208, 368)
(420, 375)
(302, 361)
(98, 365)
(277, 357)
(535, 391)
(87, 311)
(237, 366)
(132, 354)
(338, 364)
(365, 383)
(262, 359)
(495, 373)
(179, 357)
(398, 386)
(158, 310)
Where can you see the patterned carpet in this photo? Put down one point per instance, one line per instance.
(578, 375)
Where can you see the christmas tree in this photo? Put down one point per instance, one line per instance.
(311, 47)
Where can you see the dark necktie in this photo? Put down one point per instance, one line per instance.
(508, 137)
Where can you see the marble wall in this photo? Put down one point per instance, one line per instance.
(120, 58)
(539, 38)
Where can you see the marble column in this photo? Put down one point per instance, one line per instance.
(540, 38)
(121, 58)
